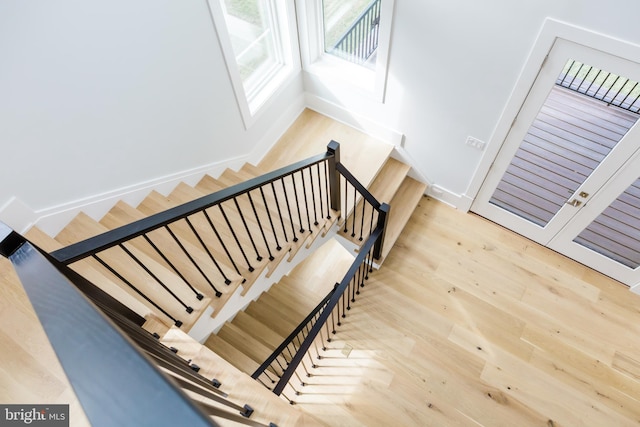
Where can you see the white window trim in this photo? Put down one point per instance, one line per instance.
(251, 105)
(329, 68)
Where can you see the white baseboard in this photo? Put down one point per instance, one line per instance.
(461, 202)
(51, 220)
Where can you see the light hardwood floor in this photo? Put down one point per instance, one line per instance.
(467, 323)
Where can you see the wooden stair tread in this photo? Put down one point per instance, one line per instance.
(258, 330)
(82, 227)
(156, 202)
(231, 354)
(123, 213)
(90, 271)
(237, 384)
(389, 179)
(362, 154)
(264, 314)
(245, 342)
(384, 187)
(402, 206)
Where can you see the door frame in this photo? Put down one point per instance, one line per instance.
(551, 30)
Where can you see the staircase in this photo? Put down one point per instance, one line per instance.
(151, 282)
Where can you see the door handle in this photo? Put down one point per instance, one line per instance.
(575, 203)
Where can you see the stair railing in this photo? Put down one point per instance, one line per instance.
(115, 382)
(602, 85)
(238, 228)
(318, 327)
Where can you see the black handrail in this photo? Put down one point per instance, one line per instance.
(70, 320)
(196, 222)
(85, 248)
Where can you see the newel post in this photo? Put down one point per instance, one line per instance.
(383, 219)
(334, 175)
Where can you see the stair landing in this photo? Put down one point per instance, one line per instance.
(309, 135)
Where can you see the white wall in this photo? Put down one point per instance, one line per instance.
(100, 97)
(453, 65)
(96, 97)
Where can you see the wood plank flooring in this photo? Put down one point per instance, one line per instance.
(469, 324)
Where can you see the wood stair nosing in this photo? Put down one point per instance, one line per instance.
(124, 214)
(156, 202)
(83, 227)
(91, 270)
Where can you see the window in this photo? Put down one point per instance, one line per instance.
(256, 38)
(347, 41)
(351, 30)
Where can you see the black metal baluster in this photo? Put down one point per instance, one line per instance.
(246, 227)
(275, 196)
(364, 205)
(286, 199)
(346, 218)
(188, 308)
(320, 190)
(333, 322)
(313, 196)
(306, 201)
(353, 224)
(264, 237)
(586, 92)
(327, 188)
(295, 194)
(346, 294)
(618, 93)
(233, 233)
(373, 214)
(604, 98)
(224, 247)
(576, 76)
(173, 267)
(206, 249)
(625, 98)
(177, 322)
(567, 73)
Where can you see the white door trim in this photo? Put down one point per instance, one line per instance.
(550, 31)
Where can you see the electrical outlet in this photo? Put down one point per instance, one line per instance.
(475, 143)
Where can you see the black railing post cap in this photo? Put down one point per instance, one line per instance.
(10, 241)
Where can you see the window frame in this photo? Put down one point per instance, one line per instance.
(330, 68)
(252, 103)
